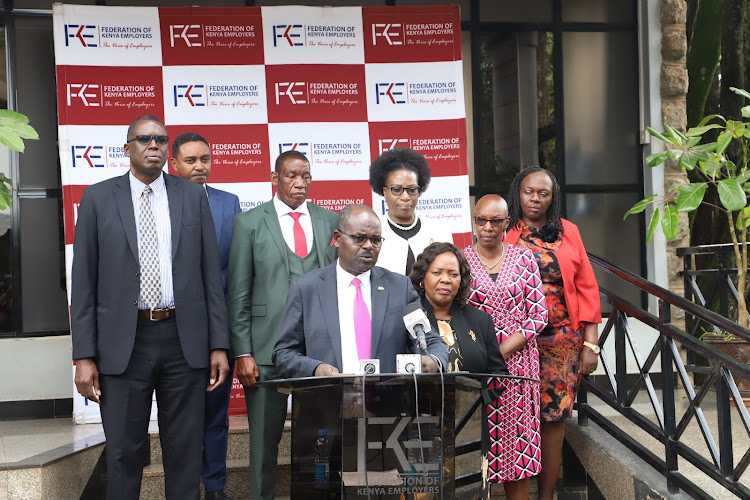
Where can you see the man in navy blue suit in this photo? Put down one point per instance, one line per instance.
(191, 159)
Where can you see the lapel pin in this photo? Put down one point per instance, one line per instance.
(381, 288)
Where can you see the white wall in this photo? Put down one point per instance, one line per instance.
(36, 368)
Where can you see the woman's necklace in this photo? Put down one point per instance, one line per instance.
(399, 226)
(487, 266)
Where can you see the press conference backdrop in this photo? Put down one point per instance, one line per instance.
(339, 84)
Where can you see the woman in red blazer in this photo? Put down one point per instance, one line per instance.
(568, 346)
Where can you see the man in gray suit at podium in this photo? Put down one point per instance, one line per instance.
(350, 310)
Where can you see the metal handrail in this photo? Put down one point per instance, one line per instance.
(669, 426)
(723, 288)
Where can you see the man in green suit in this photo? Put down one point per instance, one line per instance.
(273, 243)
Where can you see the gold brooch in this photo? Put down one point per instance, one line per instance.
(473, 336)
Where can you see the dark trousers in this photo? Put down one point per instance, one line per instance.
(216, 434)
(157, 363)
(266, 414)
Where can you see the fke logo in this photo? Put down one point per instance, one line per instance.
(89, 94)
(190, 95)
(302, 147)
(388, 144)
(88, 156)
(291, 35)
(86, 34)
(393, 92)
(190, 34)
(296, 92)
(393, 34)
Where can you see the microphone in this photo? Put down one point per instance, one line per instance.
(417, 323)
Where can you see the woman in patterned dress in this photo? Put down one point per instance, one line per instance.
(506, 284)
(441, 276)
(568, 347)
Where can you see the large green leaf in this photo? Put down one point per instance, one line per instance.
(640, 206)
(736, 128)
(6, 198)
(743, 219)
(674, 154)
(688, 160)
(711, 168)
(691, 196)
(659, 136)
(743, 93)
(708, 147)
(723, 141)
(656, 159)
(745, 110)
(670, 221)
(9, 115)
(731, 194)
(652, 225)
(699, 131)
(743, 176)
(673, 132)
(22, 129)
(708, 118)
(10, 139)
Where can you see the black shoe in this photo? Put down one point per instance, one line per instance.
(217, 495)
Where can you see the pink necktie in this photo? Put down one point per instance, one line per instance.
(300, 242)
(362, 327)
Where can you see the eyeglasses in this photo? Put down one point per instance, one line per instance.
(481, 221)
(399, 190)
(145, 140)
(359, 239)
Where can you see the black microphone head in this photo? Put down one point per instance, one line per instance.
(410, 308)
(369, 368)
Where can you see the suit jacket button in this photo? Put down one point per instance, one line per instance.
(135, 302)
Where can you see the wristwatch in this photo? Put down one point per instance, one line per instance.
(593, 347)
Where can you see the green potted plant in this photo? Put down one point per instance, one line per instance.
(690, 151)
(14, 128)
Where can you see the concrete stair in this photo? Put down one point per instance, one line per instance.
(238, 481)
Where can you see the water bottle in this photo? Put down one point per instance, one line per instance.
(414, 455)
(322, 457)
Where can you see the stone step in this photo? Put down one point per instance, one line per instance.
(238, 446)
(238, 480)
(238, 451)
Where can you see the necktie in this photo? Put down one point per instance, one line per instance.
(300, 242)
(148, 253)
(362, 326)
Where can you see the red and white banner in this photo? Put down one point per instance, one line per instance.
(339, 84)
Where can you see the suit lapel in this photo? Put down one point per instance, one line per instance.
(217, 209)
(174, 197)
(319, 234)
(272, 222)
(379, 299)
(329, 300)
(124, 202)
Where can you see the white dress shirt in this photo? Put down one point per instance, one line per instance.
(287, 223)
(160, 209)
(346, 292)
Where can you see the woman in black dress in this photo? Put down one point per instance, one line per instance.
(441, 276)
